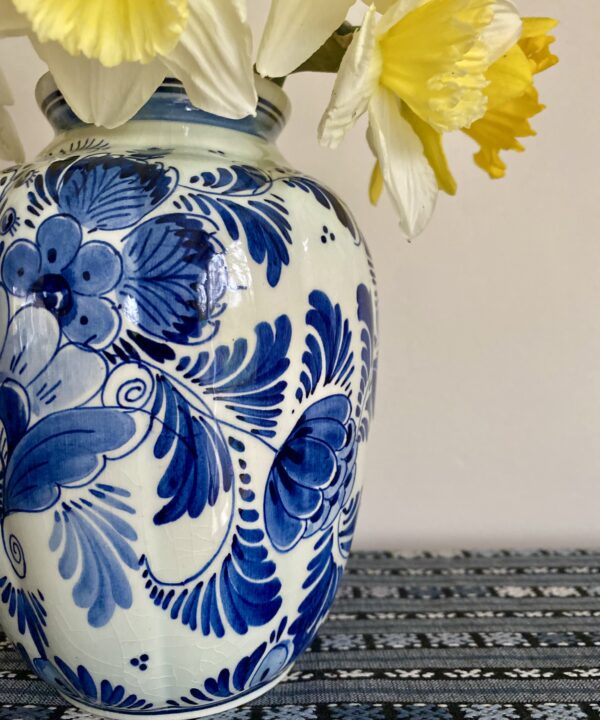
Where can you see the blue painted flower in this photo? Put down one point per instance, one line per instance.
(67, 277)
(42, 390)
(313, 473)
(37, 379)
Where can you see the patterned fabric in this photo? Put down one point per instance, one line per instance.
(459, 636)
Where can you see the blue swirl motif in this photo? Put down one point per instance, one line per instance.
(91, 394)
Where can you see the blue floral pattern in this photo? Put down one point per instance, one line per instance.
(313, 473)
(116, 281)
(106, 192)
(68, 279)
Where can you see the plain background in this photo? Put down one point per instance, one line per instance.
(488, 420)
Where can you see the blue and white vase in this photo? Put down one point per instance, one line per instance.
(188, 351)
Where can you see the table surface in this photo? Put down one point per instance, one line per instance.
(423, 636)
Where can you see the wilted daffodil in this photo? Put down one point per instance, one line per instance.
(108, 56)
(419, 71)
(10, 145)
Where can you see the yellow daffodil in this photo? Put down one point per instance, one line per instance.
(10, 145)
(512, 100)
(108, 56)
(512, 97)
(419, 70)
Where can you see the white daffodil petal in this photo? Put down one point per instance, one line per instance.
(295, 29)
(355, 84)
(504, 30)
(395, 11)
(10, 145)
(99, 95)
(408, 176)
(240, 6)
(213, 59)
(11, 21)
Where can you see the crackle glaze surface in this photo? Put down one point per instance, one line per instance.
(188, 351)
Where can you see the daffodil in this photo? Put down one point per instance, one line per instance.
(108, 56)
(419, 71)
(10, 145)
(512, 100)
(512, 96)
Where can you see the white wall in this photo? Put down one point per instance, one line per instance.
(488, 426)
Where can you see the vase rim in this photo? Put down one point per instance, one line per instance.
(170, 103)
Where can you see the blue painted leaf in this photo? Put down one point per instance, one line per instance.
(328, 358)
(80, 685)
(322, 582)
(174, 278)
(267, 232)
(200, 466)
(238, 179)
(108, 192)
(268, 363)
(248, 602)
(328, 200)
(265, 226)
(96, 545)
(254, 388)
(28, 609)
(61, 451)
(245, 592)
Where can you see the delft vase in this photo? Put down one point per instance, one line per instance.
(188, 352)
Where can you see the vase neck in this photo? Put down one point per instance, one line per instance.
(170, 104)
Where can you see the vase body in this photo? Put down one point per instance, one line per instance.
(188, 351)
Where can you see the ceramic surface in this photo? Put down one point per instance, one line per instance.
(188, 352)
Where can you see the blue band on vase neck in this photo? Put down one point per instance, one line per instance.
(170, 103)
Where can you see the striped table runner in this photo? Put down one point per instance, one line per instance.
(424, 636)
